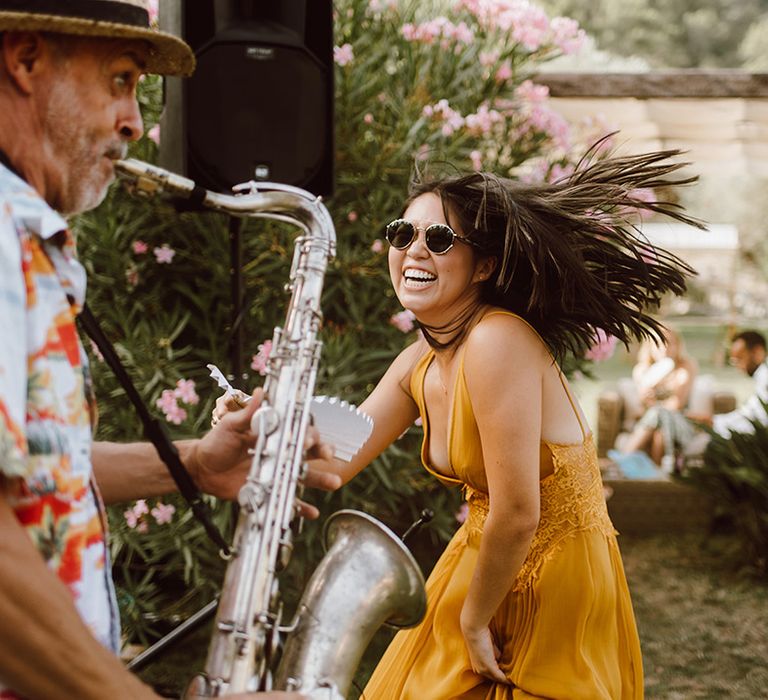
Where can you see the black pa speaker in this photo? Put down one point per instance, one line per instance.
(260, 103)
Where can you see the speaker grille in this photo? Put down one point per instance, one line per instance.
(260, 111)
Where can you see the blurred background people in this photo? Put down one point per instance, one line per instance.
(663, 376)
(747, 353)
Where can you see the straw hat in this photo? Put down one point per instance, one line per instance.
(124, 19)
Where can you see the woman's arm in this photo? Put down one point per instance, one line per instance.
(392, 409)
(504, 367)
(680, 386)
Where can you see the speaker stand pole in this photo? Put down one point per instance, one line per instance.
(237, 298)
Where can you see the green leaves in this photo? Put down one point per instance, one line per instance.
(735, 474)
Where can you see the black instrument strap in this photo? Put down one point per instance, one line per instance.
(154, 430)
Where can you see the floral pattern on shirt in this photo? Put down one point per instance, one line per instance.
(45, 412)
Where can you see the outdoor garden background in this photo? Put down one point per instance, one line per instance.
(431, 85)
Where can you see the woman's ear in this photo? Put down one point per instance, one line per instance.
(485, 268)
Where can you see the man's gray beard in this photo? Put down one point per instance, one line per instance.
(82, 191)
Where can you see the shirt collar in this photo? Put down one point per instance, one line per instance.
(28, 206)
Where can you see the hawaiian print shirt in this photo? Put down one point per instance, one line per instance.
(45, 413)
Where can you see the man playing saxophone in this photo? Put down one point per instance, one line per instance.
(68, 76)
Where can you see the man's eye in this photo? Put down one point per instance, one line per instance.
(122, 81)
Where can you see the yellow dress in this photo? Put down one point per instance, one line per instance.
(566, 629)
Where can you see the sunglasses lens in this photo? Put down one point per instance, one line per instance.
(439, 238)
(400, 233)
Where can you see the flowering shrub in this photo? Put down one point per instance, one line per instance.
(413, 89)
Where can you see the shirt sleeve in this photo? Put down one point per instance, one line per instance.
(13, 351)
(740, 420)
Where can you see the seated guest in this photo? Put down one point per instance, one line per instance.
(663, 377)
(748, 353)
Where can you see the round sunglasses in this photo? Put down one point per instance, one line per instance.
(438, 237)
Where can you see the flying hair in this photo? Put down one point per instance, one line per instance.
(571, 257)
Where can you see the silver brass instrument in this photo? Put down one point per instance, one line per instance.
(367, 576)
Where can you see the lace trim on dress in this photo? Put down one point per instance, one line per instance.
(572, 501)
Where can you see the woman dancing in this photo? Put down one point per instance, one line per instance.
(529, 599)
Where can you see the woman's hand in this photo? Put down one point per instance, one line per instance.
(221, 458)
(483, 653)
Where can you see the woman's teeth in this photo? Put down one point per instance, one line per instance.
(418, 278)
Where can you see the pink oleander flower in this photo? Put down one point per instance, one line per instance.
(133, 515)
(504, 72)
(167, 400)
(567, 35)
(442, 111)
(542, 119)
(185, 391)
(343, 55)
(603, 348)
(558, 171)
(462, 513)
(259, 360)
(528, 91)
(482, 121)
(153, 12)
(368, 118)
(352, 216)
(477, 160)
(403, 321)
(163, 513)
(176, 415)
(154, 134)
(377, 246)
(438, 30)
(488, 58)
(139, 247)
(169, 405)
(643, 194)
(164, 254)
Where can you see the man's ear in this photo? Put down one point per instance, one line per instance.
(22, 54)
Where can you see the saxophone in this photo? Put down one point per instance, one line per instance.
(367, 577)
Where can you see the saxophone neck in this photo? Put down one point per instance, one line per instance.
(268, 200)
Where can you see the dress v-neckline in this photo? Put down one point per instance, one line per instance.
(425, 457)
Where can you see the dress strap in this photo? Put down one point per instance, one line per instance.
(559, 371)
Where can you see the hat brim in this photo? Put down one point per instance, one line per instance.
(168, 55)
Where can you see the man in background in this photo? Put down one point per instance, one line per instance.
(748, 353)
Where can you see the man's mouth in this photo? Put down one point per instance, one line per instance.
(117, 151)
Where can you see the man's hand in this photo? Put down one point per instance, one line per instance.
(220, 460)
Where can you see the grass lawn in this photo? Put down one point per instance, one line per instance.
(703, 623)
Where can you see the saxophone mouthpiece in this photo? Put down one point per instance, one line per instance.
(148, 180)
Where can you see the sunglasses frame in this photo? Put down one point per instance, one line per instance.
(415, 233)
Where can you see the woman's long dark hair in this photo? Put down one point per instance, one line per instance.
(570, 260)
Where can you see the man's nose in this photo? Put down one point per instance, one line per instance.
(131, 125)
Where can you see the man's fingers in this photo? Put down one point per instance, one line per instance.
(241, 419)
(308, 511)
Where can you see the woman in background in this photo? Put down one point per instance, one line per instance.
(663, 376)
